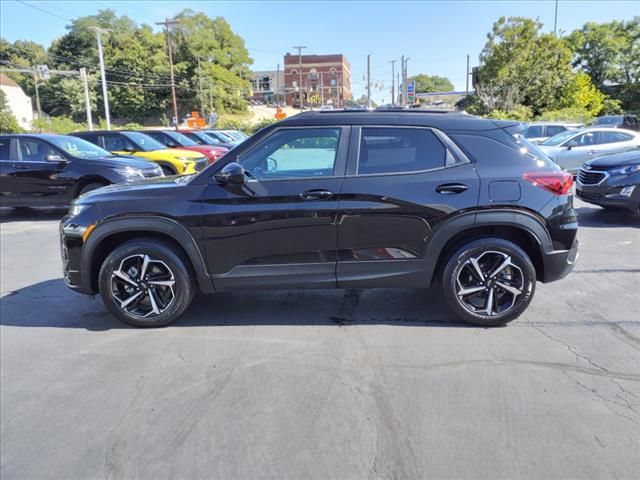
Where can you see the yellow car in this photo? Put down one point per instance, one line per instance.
(174, 161)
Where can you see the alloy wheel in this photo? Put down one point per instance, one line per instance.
(489, 284)
(143, 286)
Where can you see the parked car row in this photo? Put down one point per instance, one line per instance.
(52, 170)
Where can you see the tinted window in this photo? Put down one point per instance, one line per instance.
(613, 137)
(78, 147)
(32, 150)
(5, 148)
(181, 139)
(118, 143)
(395, 150)
(294, 153)
(554, 130)
(584, 140)
(144, 142)
(534, 131)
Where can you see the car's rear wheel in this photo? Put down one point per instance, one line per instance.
(146, 283)
(489, 282)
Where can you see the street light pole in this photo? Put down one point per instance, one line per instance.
(393, 80)
(300, 74)
(369, 82)
(107, 117)
(555, 20)
(166, 24)
(87, 101)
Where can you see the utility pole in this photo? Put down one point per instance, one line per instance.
(278, 85)
(321, 90)
(166, 24)
(393, 79)
(402, 98)
(200, 88)
(405, 79)
(300, 73)
(210, 96)
(555, 20)
(399, 93)
(467, 74)
(87, 101)
(35, 80)
(99, 32)
(369, 81)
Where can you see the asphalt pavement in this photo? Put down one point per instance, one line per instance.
(321, 384)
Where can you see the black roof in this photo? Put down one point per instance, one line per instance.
(414, 117)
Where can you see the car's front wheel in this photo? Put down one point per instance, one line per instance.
(146, 283)
(489, 281)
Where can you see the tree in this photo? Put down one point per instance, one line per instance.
(431, 83)
(522, 66)
(582, 93)
(8, 122)
(608, 52)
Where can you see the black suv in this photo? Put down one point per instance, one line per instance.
(52, 170)
(336, 199)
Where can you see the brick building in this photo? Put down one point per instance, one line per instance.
(326, 79)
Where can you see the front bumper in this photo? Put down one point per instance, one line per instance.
(71, 254)
(608, 192)
(559, 263)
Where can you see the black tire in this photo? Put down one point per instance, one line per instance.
(460, 272)
(90, 186)
(168, 171)
(161, 255)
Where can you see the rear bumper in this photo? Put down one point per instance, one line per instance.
(559, 263)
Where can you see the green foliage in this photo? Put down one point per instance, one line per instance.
(518, 112)
(608, 51)
(8, 122)
(581, 93)
(471, 104)
(611, 106)
(265, 122)
(131, 126)
(523, 66)
(137, 67)
(61, 125)
(235, 124)
(572, 114)
(431, 83)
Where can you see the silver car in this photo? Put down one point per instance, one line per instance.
(538, 132)
(574, 147)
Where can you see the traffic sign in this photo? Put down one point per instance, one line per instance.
(43, 72)
(411, 92)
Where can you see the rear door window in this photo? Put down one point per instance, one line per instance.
(554, 130)
(533, 131)
(5, 148)
(614, 137)
(399, 150)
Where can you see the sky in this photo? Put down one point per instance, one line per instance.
(435, 35)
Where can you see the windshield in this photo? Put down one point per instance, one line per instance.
(559, 138)
(78, 147)
(144, 142)
(207, 139)
(183, 140)
(221, 136)
(611, 120)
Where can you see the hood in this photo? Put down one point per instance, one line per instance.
(155, 187)
(171, 153)
(622, 159)
(121, 161)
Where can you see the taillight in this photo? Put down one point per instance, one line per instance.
(558, 183)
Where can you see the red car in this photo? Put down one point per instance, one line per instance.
(173, 139)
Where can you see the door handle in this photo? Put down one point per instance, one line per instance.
(315, 194)
(451, 188)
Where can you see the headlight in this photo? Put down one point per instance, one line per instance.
(77, 209)
(625, 170)
(130, 173)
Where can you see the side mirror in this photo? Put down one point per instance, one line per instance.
(232, 173)
(54, 158)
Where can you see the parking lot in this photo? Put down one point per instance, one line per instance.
(322, 384)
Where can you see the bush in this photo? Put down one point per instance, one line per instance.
(520, 113)
(265, 122)
(234, 124)
(8, 122)
(61, 125)
(611, 106)
(567, 115)
(131, 126)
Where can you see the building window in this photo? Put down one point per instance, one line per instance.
(332, 71)
(313, 74)
(294, 72)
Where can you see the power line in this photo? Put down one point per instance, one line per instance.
(45, 11)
